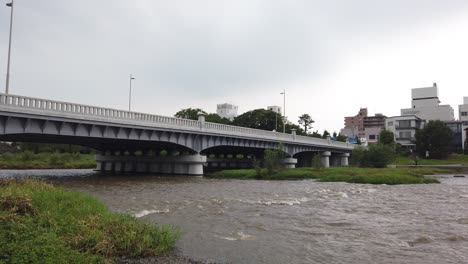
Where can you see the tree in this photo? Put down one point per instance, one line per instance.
(189, 113)
(386, 137)
(435, 138)
(325, 134)
(259, 119)
(316, 134)
(375, 156)
(306, 121)
(341, 138)
(215, 118)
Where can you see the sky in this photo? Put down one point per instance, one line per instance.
(332, 57)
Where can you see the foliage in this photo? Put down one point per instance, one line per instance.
(316, 134)
(375, 156)
(343, 174)
(215, 118)
(435, 138)
(41, 223)
(52, 148)
(325, 134)
(29, 160)
(317, 162)
(341, 138)
(189, 113)
(386, 137)
(273, 160)
(259, 119)
(306, 121)
(452, 159)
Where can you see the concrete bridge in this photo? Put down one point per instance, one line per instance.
(138, 142)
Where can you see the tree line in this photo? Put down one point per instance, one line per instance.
(262, 119)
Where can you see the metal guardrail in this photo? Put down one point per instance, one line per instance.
(87, 112)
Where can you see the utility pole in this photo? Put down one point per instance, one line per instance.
(130, 94)
(7, 85)
(284, 110)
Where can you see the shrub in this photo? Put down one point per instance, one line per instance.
(375, 156)
(317, 162)
(27, 156)
(273, 160)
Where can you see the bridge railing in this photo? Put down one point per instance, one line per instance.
(66, 109)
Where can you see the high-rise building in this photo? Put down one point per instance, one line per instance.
(357, 121)
(226, 110)
(425, 104)
(463, 116)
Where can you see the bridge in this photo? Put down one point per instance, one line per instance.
(138, 142)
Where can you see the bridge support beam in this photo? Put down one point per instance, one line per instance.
(182, 165)
(344, 159)
(326, 158)
(290, 163)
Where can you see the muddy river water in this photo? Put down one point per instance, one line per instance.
(244, 221)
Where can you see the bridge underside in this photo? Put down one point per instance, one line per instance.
(124, 148)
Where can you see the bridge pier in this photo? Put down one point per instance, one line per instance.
(326, 158)
(290, 163)
(344, 159)
(182, 165)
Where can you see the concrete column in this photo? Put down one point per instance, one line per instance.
(326, 158)
(344, 159)
(293, 133)
(290, 163)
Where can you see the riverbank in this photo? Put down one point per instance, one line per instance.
(40, 223)
(453, 159)
(389, 176)
(29, 160)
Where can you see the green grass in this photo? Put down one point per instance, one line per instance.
(29, 160)
(452, 159)
(40, 223)
(341, 174)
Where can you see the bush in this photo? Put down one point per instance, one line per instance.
(27, 156)
(317, 162)
(273, 160)
(375, 156)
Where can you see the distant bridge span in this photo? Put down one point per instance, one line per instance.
(118, 134)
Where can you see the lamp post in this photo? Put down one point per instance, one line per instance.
(284, 110)
(7, 85)
(130, 94)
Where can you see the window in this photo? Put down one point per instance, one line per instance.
(404, 123)
(405, 135)
(390, 123)
(465, 123)
(464, 113)
(372, 137)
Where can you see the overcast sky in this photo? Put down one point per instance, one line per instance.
(331, 56)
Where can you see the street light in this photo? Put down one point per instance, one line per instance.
(130, 95)
(7, 85)
(284, 110)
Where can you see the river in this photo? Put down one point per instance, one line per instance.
(247, 221)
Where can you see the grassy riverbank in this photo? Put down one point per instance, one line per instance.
(341, 174)
(29, 160)
(40, 223)
(451, 160)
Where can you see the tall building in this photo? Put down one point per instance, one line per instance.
(275, 108)
(357, 121)
(463, 116)
(226, 110)
(425, 104)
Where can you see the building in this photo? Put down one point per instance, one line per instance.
(373, 125)
(404, 128)
(226, 110)
(463, 116)
(275, 108)
(357, 121)
(425, 104)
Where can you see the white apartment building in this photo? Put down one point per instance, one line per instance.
(463, 115)
(226, 110)
(425, 104)
(404, 128)
(275, 108)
